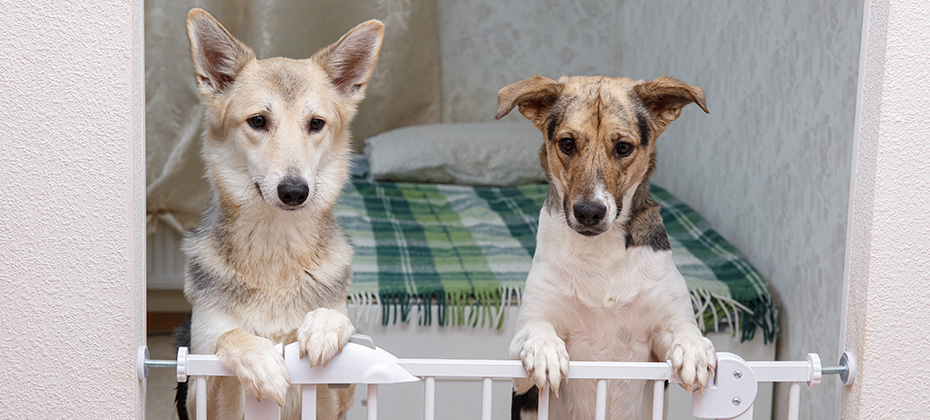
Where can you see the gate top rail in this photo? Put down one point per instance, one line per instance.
(729, 395)
(361, 362)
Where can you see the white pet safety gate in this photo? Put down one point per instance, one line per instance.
(730, 396)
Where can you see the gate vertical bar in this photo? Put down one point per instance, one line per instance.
(658, 400)
(542, 412)
(372, 402)
(308, 402)
(429, 398)
(794, 400)
(201, 397)
(600, 400)
(485, 398)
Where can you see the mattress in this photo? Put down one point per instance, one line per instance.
(467, 251)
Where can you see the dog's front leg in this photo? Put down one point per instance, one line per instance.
(258, 366)
(693, 357)
(543, 354)
(678, 338)
(537, 342)
(324, 333)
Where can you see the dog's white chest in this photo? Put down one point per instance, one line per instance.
(609, 292)
(609, 283)
(612, 329)
(617, 296)
(615, 334)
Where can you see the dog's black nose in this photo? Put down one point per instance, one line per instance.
(293, 191)
(589, 214)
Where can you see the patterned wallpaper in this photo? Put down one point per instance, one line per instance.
(488, 44)
(769, 167)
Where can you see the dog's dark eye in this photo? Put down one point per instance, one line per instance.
(623, 149)
(257, 122)
(567, 145)
(316, 124)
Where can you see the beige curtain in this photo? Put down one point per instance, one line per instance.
(404, 90)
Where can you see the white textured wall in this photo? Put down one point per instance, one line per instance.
(887, 318)
(488, 44)
(72, 209)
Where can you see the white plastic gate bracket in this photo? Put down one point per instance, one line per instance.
(142, 356)
(816, 370)
(182, 364)
(359, 362)
(848, 361)
(731, 394)
(356, 364)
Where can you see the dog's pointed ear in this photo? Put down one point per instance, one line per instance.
(534, 96)
(665, 96)
(217, 55)
(351, 60)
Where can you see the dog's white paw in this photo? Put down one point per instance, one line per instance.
(694, 361)
(545, 359)
(323, 334)
(258, 366)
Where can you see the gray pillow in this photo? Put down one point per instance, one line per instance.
(495, 153)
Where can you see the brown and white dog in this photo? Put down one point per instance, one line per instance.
(602, 285)
(268, 263)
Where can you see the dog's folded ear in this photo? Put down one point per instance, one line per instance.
(218, 56)
(351, 60)
(534, 96)
(665, 96)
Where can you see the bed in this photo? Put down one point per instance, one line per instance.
(467, 250)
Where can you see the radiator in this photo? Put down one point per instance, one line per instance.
(730, 396)
(164, 261)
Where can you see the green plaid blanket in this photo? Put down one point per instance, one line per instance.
(468, 250)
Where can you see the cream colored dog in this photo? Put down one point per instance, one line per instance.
(268, 263)
(602, 285)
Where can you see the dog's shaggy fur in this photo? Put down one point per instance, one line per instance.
(602, 285)
(268, 263)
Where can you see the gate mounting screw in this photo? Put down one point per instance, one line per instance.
(737, 401)
(737, 374)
